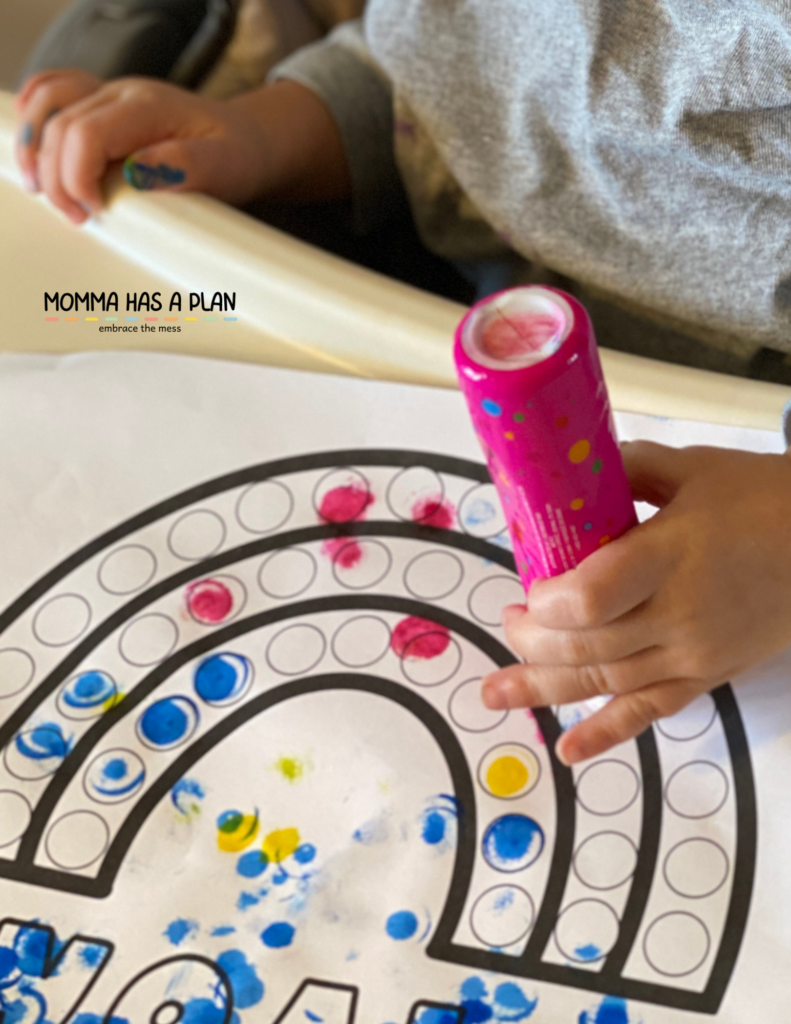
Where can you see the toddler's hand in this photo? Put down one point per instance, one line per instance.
(73, 126)
(670, 610)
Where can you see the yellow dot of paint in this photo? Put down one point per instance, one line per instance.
(580, 451)
(605, 540)
(577, 504)
(290, 768)
(241, 837)
(281, 844)
(506, 776)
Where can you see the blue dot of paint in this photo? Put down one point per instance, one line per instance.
(473, 988)
(248, 989)
(490, 406)
(476, 1012)
(219, 677)
(115, 769)
(43, 742)
(511, 1002)
(304, 854)
(89, 690)
(434, 828)
(512, 842)
(165, 722)
(8, 961)
(252, 864)
(401, 925)
(278, 935)
(590, 951)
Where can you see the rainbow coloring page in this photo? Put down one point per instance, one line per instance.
(245, 770)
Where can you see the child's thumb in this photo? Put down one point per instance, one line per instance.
(173, 165)
(655, 471)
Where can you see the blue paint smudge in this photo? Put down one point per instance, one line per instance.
(8, 961)
(313, 1016)
(479, 512)
(504, 900)
(304, 854)
(476, 1011)
(371, 832)
(433, 828)
(402, 925)
(115, 769)
(435, 1015)
(252, 864)
(186, 788)
(204, 1011)
(513, 842)
(44, 742)
(168, 721)
(246, 900)
(248, 989)
(473, 988)
(89, 690)
(30, 946)
(221, 930)
(96, 1018)
(612, 1010)
(511, 1004)
(92, 956)
(588, 952)
(177, 931)
(278, 935)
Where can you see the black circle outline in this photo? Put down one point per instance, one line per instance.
(465, 496)
(156, 661)
(440, 682)
(299, 671)
(478, 585)
(703, 895)
(24, 799)
(154, 1019)
(676, 974)
(348, 622)
(212, 579)
(391, 484)
(281, 551)
(157, 748)
(76, 867)
(425, 554)
(126, 796)
(353, 471)
(709, 814)
(686, 739)
(491, 750)
(605, 953)
(522, 867)
(59, 597)
(200, 510)
(84, 718)
(229, 701)
(362, 543)
(596, 835)
(252, 487)
(10, 747)
(112, 554)
(464, 728)
(30, 658)
(493, 888)
(621, 810)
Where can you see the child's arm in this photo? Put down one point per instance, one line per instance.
(672, 609)
(279, 140)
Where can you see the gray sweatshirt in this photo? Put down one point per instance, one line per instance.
(637, 152)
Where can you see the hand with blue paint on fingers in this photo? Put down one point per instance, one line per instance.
(672, 609)
(278, 142)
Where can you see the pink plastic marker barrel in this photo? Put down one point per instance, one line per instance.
(529, 369)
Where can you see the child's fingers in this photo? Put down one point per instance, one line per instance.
(625, 717)
(541, 646)
(533, 686)
(605, 586)
(185, 165)
(48, 97)
(655, 471)
(30, 85)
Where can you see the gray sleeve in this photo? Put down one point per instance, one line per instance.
(787, 423)
(341, 71)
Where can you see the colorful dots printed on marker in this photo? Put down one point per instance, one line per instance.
(577, 504)
(490, 406)
(589, 526)
(519, 417)
(509, 436)
(580, 451)
(596, 467)
(605, 540)
(561, 422)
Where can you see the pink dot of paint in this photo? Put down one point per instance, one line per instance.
(345, 504)
(209, 600)
(344, 552)
(434, 512)
(416, 638)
